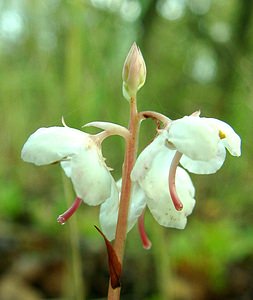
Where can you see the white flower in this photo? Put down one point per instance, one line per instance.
(202, 141)
(80, 157)
(151, 173)
(150, 188)
(170, 198)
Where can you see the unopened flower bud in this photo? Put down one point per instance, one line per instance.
(134, 72)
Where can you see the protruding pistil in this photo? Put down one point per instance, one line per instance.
(146, 243)
(68, 213)
(172, 179)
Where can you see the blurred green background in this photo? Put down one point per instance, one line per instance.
(64, 58)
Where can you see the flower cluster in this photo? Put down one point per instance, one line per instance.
(196, 143)
(199, 145)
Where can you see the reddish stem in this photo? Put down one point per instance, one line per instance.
(129, 161)
(155, 116)
(68, 213)
(172, 178)
(146, 243)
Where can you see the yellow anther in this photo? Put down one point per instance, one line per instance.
(222, 135)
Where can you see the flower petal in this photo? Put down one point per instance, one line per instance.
(162, 208)
(109, 211)
(205, 167)
(153, 158)
(194, 137)
(145, 159)
(137, 205)
(230, 139)
(108, 215)
(52, 144)
(90, 177)
(155, 185)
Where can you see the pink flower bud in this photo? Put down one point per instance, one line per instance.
(134, 72)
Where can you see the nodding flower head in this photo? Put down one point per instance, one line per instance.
(203, 143)
(199, 145)
(80, 157)
(150, 189)
(151, 173)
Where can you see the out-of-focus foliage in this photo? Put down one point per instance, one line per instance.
(64, 58)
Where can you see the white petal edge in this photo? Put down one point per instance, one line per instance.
(161, 206)
(205, 167)
(194, 137)
(108, 216)
(90, 177)
(153, 178)
(52, 144)
(154, 183)
(232, 140)
(145, 159)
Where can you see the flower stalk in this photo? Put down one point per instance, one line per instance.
(155, 116)
(129, 161)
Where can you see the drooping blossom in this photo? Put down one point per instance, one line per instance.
(80, 157)
(199, 143)
(150, 189)
(203, 143)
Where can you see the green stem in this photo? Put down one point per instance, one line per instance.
(129, 161)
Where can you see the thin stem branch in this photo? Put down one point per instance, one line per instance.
(109, 129)
(155, 116)
(129, 161)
